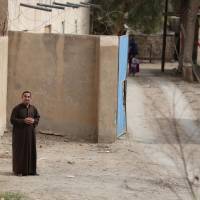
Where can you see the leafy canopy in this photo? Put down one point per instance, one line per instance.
(140, 15)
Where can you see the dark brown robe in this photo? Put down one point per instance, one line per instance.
(24, 140)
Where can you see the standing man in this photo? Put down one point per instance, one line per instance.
(24, 119)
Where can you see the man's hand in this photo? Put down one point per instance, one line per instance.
(29, 120)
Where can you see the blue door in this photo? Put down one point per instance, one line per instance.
(123, 63)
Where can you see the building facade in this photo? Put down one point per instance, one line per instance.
(71, 20)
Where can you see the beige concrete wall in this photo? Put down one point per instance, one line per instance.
(3, 82)
(108, 81)
(153, 44)
(60, 70)
(76, 21)
(73, 80)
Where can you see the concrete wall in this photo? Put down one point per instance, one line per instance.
(152, 44)
(108, 81)
(3, 82)
(76, 21)
(70, 79)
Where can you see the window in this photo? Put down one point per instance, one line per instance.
(47, 28)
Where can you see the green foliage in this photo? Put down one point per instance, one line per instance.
(147, 16)
(176, 5)
(12, 196)
(141, 15)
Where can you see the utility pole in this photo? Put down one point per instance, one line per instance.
(164, 36)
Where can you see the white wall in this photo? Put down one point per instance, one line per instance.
(3, 82)
(77, 21)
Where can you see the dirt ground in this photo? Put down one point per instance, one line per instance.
(159, 157)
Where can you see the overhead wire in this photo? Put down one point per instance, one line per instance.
(52, 20)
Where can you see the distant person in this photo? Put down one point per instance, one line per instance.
(135, 66)
(132, 53)
(24, 119)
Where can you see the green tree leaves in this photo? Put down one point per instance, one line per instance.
(140, 15)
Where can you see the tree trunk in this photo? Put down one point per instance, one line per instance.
(188, 39)
(3, 17)
(119, 28)
(183, 19)
(196, 38)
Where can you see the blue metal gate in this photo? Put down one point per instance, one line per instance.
(123, 63)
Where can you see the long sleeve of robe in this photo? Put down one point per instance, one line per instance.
(24, 139)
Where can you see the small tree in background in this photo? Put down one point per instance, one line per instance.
(143, 16)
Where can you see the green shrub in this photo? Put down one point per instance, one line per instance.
(12, 196)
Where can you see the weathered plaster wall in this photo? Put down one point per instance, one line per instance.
(61, 72)
(108, 80)
(151, 45)
(73, 79)
(3, 82)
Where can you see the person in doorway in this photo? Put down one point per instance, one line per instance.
(24, 119)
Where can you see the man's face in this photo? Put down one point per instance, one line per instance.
(26, 98)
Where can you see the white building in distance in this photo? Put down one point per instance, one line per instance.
(69, 19)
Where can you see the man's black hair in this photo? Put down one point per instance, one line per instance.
(26, 92)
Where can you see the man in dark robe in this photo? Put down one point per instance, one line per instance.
(24, 119)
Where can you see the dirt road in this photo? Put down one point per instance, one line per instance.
(157, 159)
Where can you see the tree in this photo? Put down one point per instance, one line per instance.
(3, 17)
(143, 15)
(189, 11)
